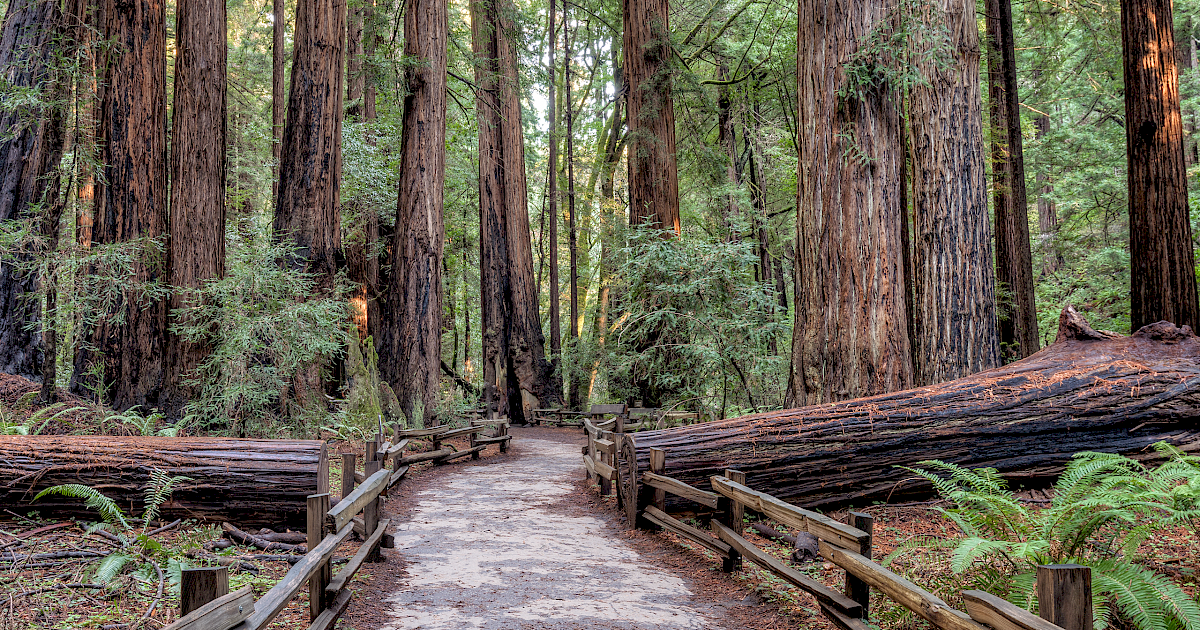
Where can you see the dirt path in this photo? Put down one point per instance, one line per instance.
(497, 545)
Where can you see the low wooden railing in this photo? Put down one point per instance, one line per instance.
(1063, 590)
(207, 604)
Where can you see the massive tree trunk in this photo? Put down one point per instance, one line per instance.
(514, 347)
(1088, 391)
(1014, 258)
(410, 345)
(251, 482)
(196, 253)
(653, 174)
(850, 336)
(955, 304)
(125, 362)
(1163, 276)
(278, 28)
(36, 37)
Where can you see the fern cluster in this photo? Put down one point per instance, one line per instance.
(1103, 507)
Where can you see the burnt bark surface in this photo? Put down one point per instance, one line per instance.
(954, 283)
(1163, 277)
(653, 173)
(850, 337)
(1088, 391)
(131, 205)
(32, 141)
(410, 347)
(251, 482)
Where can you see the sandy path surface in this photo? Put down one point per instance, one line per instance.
(490, 548)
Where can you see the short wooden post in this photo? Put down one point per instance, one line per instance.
(372, 453)
(318, 507)
(502, 431)
(1065, 595)
(371, 512)
(658, 464)
(738, 512)
(857, 589)
(726, 510)
(323, 469)
(349, 463)
(605, 485)
(197, 587)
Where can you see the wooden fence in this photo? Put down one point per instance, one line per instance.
(1064, 591)
(205, 600)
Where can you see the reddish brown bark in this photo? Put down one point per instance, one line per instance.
(850, 337)
(653, 174)
(131, 205)
(1163, 277)
(278, 59)
(410, 345)
(196, 253)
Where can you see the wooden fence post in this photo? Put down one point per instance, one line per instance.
(648, 495)
(323, 469)
(605, 484)
(1065, 595)
(318, 507)
(658, 464)
(371, 512)
(349, 463)
(197, 587)
(730, 515)
(502, 431)
(857, 589)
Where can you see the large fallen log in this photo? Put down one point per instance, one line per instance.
(1089, 391)
(249, 482)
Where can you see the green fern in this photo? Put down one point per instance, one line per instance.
(160, 489)
(111, 566)
(108, 509)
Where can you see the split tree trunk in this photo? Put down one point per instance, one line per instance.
(410, 344)
(250, 482)
(1089, 391)
(850, 336)
(1163, 274)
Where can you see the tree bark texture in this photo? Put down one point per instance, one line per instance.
(1014, 256)
(1088, 391)
(278, 28)
(32, 140)
(250, 482)
(355, 79)
(850, 336)
(410, 333)
(1047, 210)
(955, 294)
(1163, 277)
(514, 347)
(196, 251)
(308, 212)
(653, 173)
(131, 204)
(552, 196)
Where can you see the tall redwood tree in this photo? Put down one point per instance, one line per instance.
(653, 172)
(1163, 278)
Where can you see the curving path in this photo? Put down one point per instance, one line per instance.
(489, 548)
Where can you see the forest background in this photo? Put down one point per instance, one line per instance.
(701, 322)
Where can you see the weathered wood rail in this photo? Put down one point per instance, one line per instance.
(608, 457)
(207, 605)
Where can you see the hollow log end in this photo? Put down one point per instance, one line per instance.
(1072, 326)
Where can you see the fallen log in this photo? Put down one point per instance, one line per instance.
(1088, 391)
(249, 482)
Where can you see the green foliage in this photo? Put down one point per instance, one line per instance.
(93, 499)
(148, 424)
(1104, 505)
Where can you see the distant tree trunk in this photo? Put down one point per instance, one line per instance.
(127, 363)
(308, 213)
(850, 338)
(1014, 258)
(355, 79)
(1185, 51)
(371, 40)
(727, 140)
(411, 330)
(1163, 276)
(955, 296)
(575, 387)
(653, 174)
(552, 195)
(36, 35)
(278, 28)
(610, 217)
(1047, 209)
(196, 253)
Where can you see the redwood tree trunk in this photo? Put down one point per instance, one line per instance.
(1088, 391)
(197, 243)
(278, 28)
(1047, 210)
(850, 336)
(955, 299)
(1163, 277)
(653, 174)
(355, 79)
(35, 33)
(410, 345)
(1014, 258)
(131, 204)
(552, 197)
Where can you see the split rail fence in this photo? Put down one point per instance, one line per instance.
(206, 601)
(1064, 591)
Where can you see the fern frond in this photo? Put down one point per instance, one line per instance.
(160, 489)
(108, 509)
(971, 549)
(111, 566)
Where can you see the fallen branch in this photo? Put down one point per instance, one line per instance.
(250, 540)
